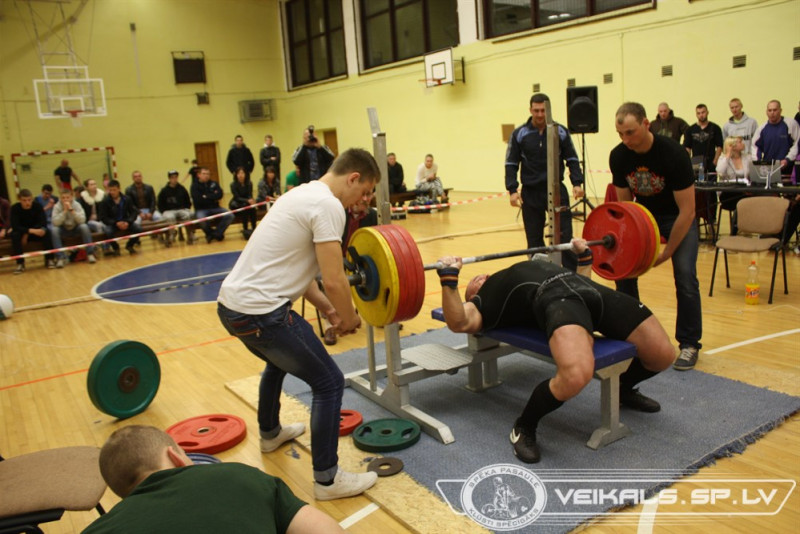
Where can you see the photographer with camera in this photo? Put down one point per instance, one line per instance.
(312, 158)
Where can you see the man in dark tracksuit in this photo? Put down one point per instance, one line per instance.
(527, 148)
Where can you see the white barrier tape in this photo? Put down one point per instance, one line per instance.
(444, 204)
(193, 222)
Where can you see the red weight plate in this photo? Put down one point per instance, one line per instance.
(349, 421)
(645, 231)
(406, 284)
(418, 269)
(414, 272)
(209, 434)
(614, 218)
(656, 237)
(644, 246)
(409, 269)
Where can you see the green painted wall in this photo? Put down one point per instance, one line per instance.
(154, 125)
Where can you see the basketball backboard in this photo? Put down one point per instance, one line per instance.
(65, 90)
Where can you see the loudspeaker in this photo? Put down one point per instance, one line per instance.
(582, 109)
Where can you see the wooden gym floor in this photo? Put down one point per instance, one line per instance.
(45, 352)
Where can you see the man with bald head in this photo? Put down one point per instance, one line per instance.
(163, 491)
(64, 176)
(568, 307)
(667, 124)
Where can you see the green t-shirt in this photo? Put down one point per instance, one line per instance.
(292, 179)
(226, 497)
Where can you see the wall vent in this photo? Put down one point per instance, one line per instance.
(537, 88)
(666, 70)
(796, 53)
(256, 110)
(739, 62)
(571, 82)
(608, 78)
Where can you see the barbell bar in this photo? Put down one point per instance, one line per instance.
(387, 273)
(358, 278)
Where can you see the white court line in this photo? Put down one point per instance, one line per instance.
(648, 516)
(754, 340)
(358, 516)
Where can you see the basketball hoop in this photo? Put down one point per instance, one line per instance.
(75, 117)
(432, 82)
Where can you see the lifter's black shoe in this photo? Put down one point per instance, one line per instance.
(525, 446)
(636, 401)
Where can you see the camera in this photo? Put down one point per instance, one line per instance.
(311, 137)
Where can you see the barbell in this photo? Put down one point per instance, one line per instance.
(387, 275)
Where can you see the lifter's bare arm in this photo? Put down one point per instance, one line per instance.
(337, 288)
(317, 297)
(460, 316)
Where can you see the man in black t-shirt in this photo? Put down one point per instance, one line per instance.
(658, 173)
(64, 176)
(704, 138)
(569, 307)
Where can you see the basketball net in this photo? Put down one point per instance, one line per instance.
(75, 117)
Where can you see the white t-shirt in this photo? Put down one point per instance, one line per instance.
(280, 261)
(424, 172)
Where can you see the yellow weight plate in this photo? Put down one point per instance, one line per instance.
(382, 310)
(657, 234)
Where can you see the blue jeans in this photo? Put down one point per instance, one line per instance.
(288, 344)
(222, 223)
(82, 229)
(689, 323)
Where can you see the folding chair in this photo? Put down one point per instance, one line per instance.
(762, 218)
(39, 487)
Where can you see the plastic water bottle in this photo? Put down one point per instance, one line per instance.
(751, 288)
(701, 173)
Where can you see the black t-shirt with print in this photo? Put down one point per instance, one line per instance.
(654, 176)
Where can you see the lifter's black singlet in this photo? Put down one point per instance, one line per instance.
(507, 297)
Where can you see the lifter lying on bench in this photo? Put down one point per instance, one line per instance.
(568, 307)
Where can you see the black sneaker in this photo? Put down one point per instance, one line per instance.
(525, 447)
(687, 359)
(131, 248)
(636, 401)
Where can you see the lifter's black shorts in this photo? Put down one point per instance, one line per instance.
(574, 299)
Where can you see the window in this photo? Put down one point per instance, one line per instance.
(394, 30)
(316, 40)
(511, 16)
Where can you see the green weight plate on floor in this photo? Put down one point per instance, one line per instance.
(123, 378)
(386, 435)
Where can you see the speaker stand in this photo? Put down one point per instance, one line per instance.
(584, 200)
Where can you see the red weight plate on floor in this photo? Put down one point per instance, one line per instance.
(614, 218)
(209, 434)
(349, 421)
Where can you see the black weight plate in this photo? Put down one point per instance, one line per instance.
(386, 467)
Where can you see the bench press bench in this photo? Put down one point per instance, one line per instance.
(612, 358)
